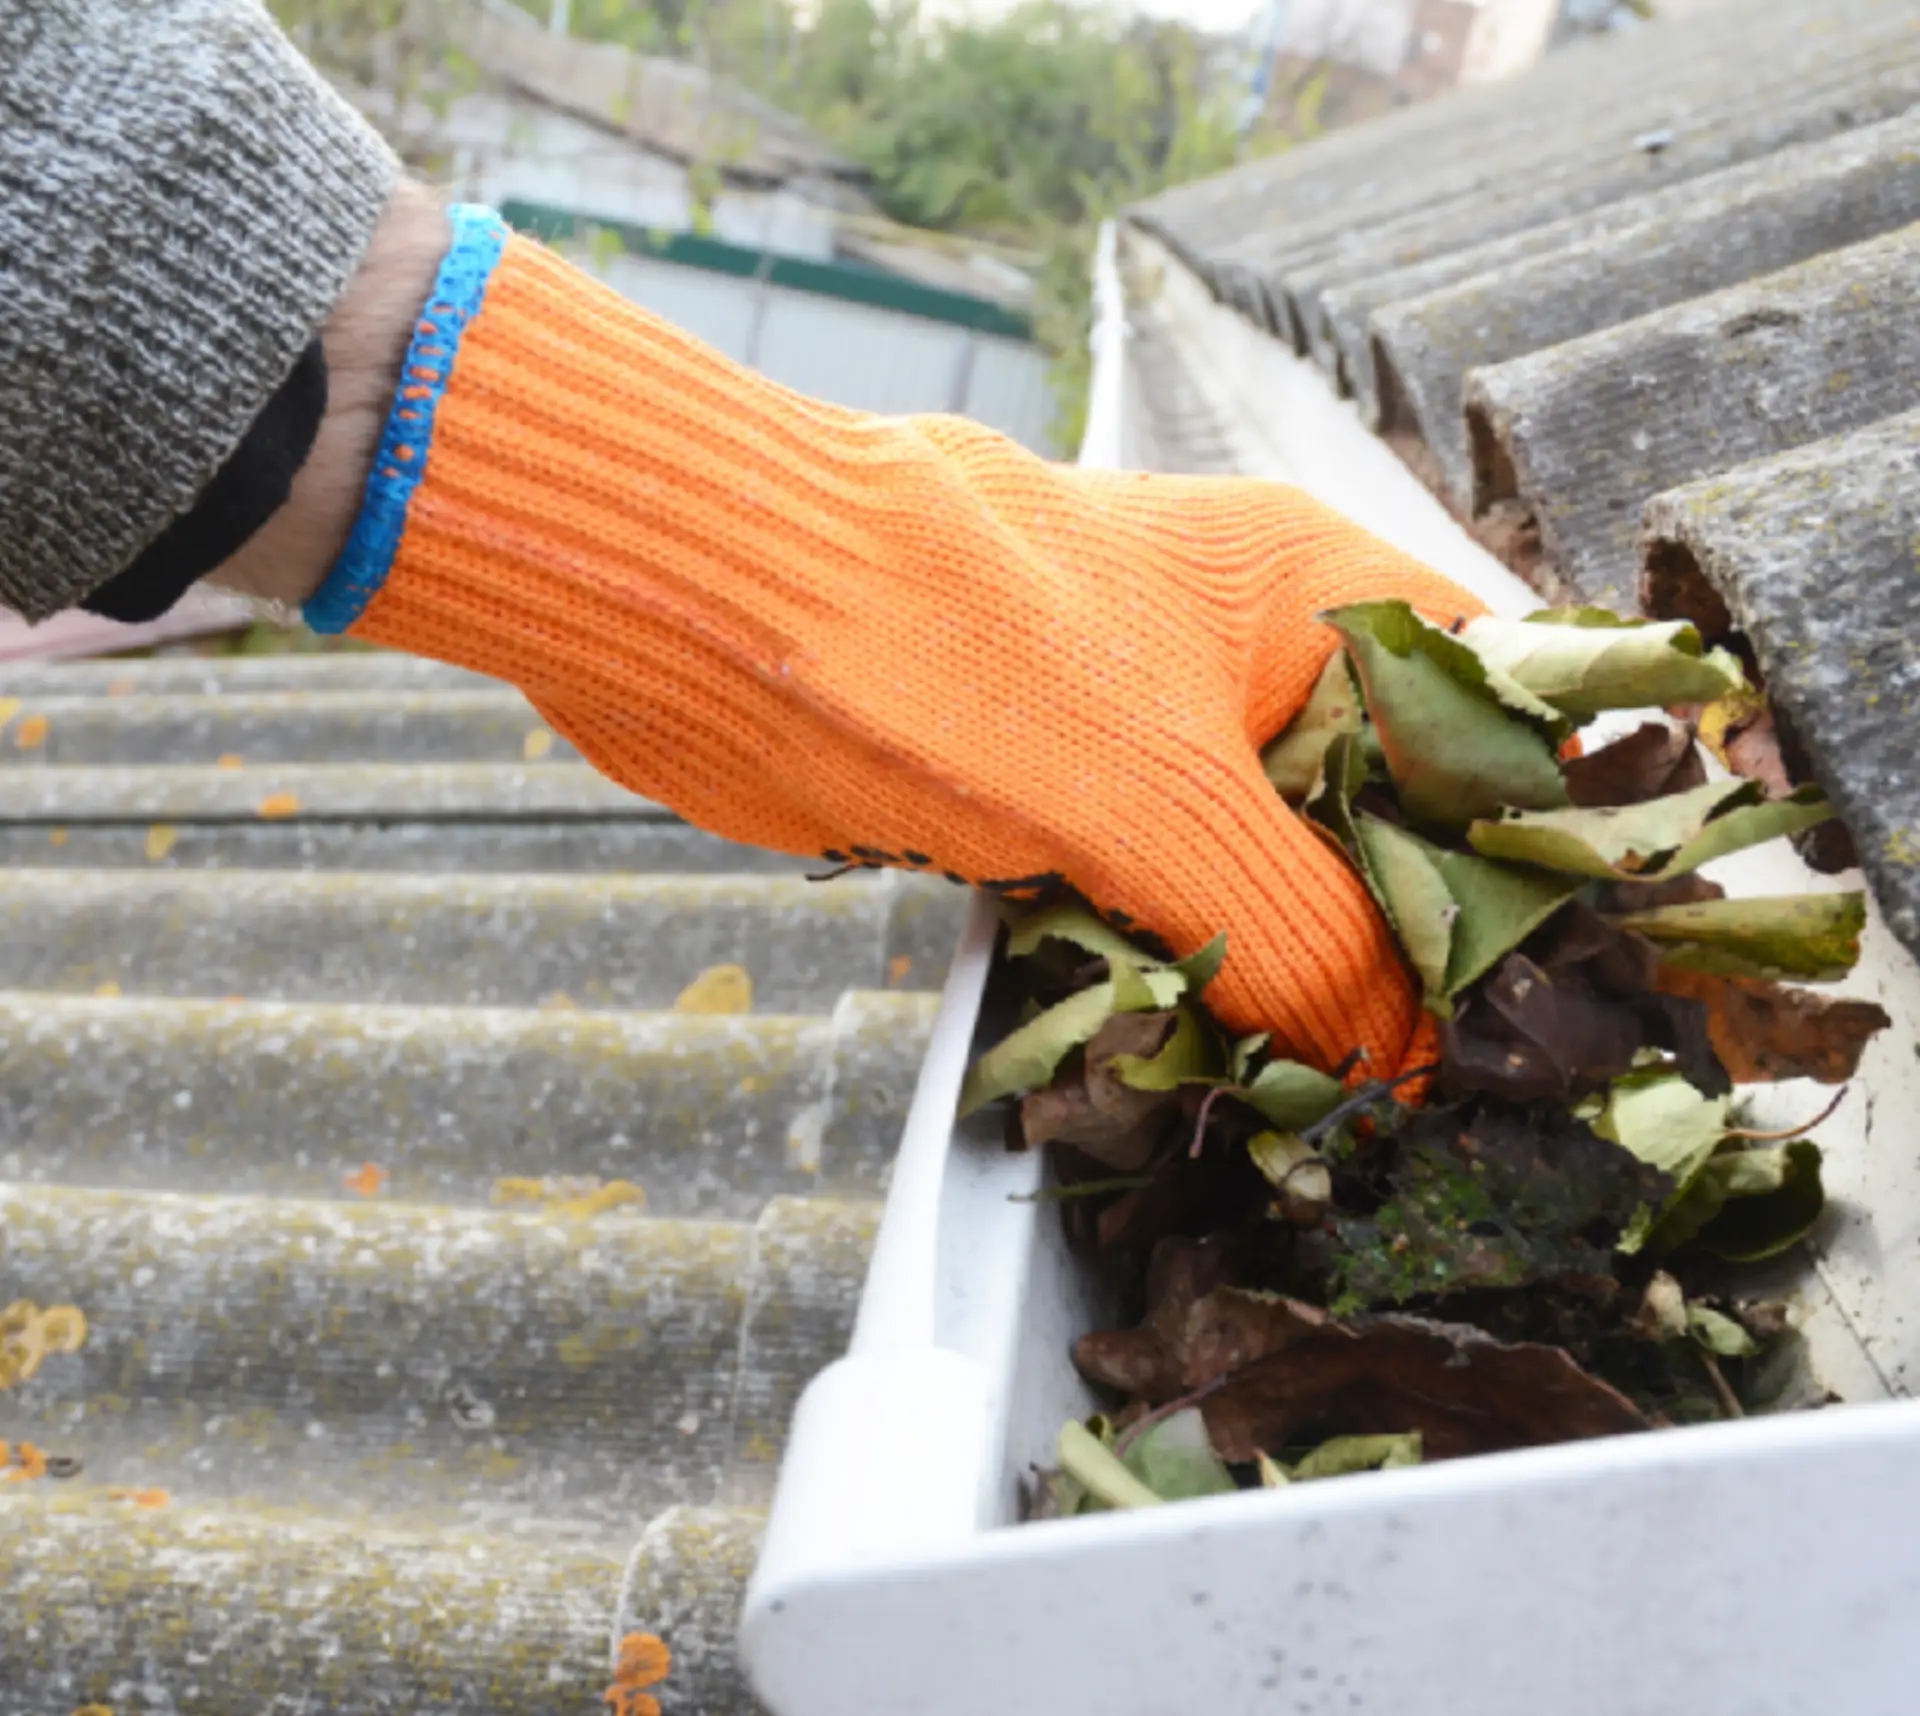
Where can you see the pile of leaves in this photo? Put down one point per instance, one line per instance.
(1543, 1234)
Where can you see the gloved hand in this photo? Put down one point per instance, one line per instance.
(896, 641)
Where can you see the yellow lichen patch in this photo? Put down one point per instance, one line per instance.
(537, 744)
(899, 969)
(577, 1195)
(63, 1328)
(559, 1002)
(23, 1342)
(278, 804)
(31, 733)
(108, 990)
(366, 1181)
(230, 760)
(718, 989)
(160, 839)
(94, 1710)
(644, 1661)
(57, 836)
(9, 707)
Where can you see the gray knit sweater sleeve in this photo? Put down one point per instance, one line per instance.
(181, 201)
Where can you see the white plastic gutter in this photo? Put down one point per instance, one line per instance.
(1765, 1568)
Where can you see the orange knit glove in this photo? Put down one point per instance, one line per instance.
(886, 641)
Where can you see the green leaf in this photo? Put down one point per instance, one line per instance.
(1345, 1454)
(1651, 842)
(1241, 1059)
(1202, 966)
(1500, 906)
(1077, 925)
(1746, 1205)
(1416, 901)
(1773, 1197)
(1089, 1462)
(1027, 1058)
(1719, 1333)
(1176, 1461)
(1666, 1122)
(1183, 1060)
(1343, 773)
(1455, 742)
(1291, 1097)
(1273, 1475)
(1292, 762)
(1583, 661)
(1813, 937)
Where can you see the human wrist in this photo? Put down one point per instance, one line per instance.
(365, 339)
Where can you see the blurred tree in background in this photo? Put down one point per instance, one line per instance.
(1028, 127)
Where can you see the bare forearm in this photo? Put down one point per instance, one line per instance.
(365, 339)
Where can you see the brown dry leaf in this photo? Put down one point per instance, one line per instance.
(367, 1181)
(718, 989)
(1650, 762)
(1767, 1031)
(1295, 1373)
(276, 805)
(160, 841)
(1118, 1126)
(536, 745)
(31, 733)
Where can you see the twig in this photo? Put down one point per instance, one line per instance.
(1083, 1189)
(1160, 1414)
(1792, 1132)
(1200, 1125)
(1360, 1102)
(1729, 1401)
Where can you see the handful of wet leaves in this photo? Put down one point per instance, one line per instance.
(1542, 1234)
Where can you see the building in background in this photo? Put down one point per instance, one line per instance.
(732, 219)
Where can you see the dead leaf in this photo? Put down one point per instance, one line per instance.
(1767, 1031)
(718, 989)
(1812, 937)
(1120, 1126)
(1293, 761)
(367, 1181)
(160, 841)
(1584, 661)
(277, 805)
(1653, 761)
(1288, 1372)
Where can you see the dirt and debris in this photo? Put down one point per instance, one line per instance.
(1536, 1237)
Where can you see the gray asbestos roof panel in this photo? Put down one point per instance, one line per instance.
(1581, 435)
(1815, 557)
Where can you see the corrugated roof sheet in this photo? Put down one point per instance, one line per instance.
(1645, 319)
(328, 1089)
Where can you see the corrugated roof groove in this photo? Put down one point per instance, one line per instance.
(427, 1254)
(1555, 283)
(1814, 557)
(1449, 154)
(1579, 435)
